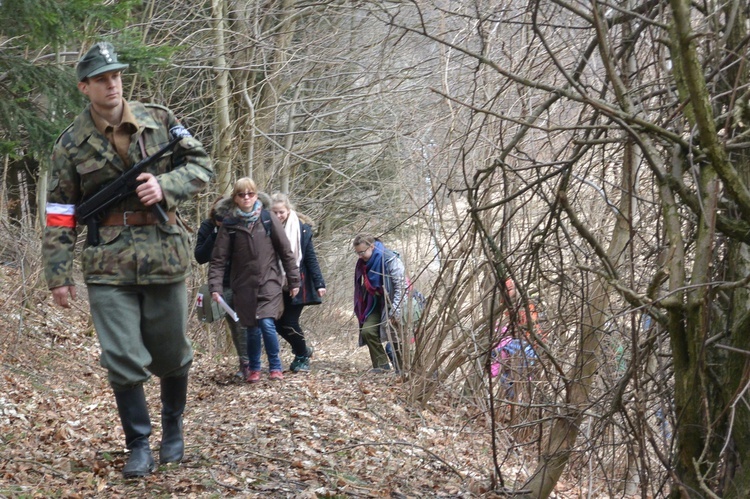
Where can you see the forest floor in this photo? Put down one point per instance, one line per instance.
(337, 431)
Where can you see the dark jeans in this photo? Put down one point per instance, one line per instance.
(288, 327)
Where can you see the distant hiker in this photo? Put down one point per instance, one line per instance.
(514, 350)
(511, 358)
(312, 286)
(135, 273)
(520, 326)
(379, 298)
(204, 246)
(253, 241)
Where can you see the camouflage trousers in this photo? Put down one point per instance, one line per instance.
(141, 331)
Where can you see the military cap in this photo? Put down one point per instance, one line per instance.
(100, 58)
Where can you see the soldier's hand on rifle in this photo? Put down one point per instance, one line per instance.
(60, 295)
(148, 191)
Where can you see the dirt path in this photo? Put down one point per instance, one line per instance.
(335, 432)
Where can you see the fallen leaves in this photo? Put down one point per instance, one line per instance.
(334, 432)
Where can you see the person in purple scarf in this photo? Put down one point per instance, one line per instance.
(379, 292)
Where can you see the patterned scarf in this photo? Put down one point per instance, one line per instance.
(249, 218)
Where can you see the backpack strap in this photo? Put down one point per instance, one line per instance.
(265, 217)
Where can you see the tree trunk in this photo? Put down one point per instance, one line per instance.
(707, 409)
(564, 431)
(223, 148)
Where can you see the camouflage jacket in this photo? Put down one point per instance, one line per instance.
(83, 161)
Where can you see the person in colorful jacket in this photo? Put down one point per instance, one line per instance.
(135, 275)
(379, 298)
(254, 242)
(312, 287)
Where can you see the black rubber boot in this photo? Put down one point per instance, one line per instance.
(131, 404)
(173, 397)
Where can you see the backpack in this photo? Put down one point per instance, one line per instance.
(417, 301)
(265, 218)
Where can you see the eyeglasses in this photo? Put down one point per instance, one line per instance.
(245, 194)
(360, 253)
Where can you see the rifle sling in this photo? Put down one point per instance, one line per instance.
(135, 218)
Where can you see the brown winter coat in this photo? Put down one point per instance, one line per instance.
(255, 274)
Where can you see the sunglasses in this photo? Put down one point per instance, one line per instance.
(245, 194)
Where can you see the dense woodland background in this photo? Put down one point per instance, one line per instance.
(595, 152)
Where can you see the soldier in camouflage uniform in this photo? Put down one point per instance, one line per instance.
(135, 276)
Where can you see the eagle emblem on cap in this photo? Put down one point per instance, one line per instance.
(104, 52)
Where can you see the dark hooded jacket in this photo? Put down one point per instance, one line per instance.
(206, 238)
(309, 269)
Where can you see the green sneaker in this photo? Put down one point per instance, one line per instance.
(301, 363)
(304, 365)
(294, 366)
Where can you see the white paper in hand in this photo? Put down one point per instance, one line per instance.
(228, 309)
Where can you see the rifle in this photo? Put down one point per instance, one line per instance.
(91, 210)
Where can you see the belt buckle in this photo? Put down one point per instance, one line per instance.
(125, 217)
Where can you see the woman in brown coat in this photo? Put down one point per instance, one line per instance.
(254, 241)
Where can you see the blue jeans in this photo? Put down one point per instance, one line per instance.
(266, 327)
